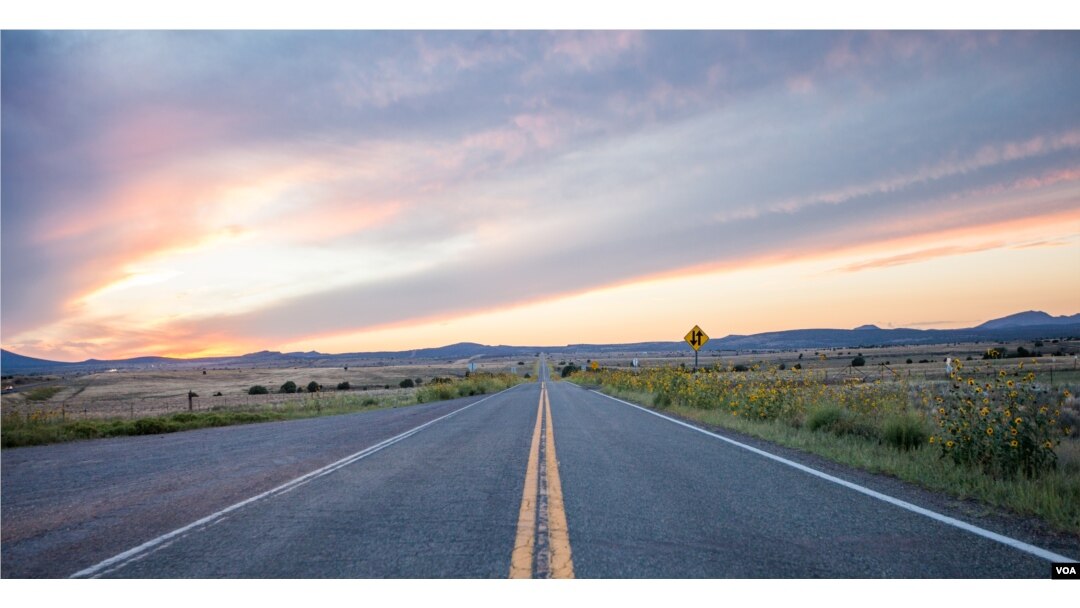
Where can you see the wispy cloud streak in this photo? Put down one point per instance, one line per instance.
(183, 192)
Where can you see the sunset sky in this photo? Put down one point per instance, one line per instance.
(213, 193)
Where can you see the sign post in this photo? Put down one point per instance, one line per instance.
(696, 339)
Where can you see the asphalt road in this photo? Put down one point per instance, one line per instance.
(440, 490)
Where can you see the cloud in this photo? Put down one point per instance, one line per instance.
(319, 182)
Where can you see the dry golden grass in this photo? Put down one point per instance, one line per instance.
(154, 392)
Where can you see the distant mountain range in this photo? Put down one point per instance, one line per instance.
(1029, 325)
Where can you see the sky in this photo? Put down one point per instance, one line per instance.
(203, 193)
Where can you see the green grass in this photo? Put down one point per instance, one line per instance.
(475, 384)
(1053, 497)
(18, 431)
(42, 393)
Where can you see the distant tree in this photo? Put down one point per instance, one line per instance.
(783, 366)
(800, 356)
(740, 368)
(407, 383)
(258, 389)
(797, 366)
(313, 387)
(523, 363)
(288, 387)
(419, 381)
(343, 386)
(1022, 352)
(858, 362)
(909, 361)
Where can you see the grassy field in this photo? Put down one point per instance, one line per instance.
(151, 401)
(997, 431)
(157, 392)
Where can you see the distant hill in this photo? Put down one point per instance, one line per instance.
(1029, 318)
(12, 362)
(1030, 325)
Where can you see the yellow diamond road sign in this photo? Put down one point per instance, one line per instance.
(595, 366)
(696, 338)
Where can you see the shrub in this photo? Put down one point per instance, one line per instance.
(288, 387)
(258, 389)
(858, 361)
(569, 369)
(343, 386)
(368, 402)
(827, 418)
(740, 368)
(904, 431)
(407, 383)
(151, 426)
(85, 430)
(1004, 427)
(313, 387)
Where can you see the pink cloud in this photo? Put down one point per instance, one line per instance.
(590, 50)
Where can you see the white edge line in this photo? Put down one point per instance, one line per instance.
(1005, 540)
(122, 558)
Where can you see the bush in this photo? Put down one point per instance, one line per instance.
(827, 418)
(258, 389)
(904, 431)
(151, 426)
(858, 361)
(288, 387)
(569, 369)
(313, 387)
(343, 386)
(1006, 427)
(407, 383)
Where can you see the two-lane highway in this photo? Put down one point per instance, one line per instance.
(544, 480)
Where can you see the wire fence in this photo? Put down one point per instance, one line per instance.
(98, 409)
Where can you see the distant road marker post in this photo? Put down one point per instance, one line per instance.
(696, 339)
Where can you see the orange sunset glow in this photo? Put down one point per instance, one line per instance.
(369, 191)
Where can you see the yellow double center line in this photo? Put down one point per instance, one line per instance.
(542, 546)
